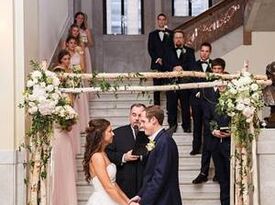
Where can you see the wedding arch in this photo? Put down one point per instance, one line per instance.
(47, 104)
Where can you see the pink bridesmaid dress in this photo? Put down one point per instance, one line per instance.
(63, 178)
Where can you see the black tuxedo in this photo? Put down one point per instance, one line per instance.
(130, 174)
(187, 61)
(156, 49)
(209, 99)
(197, 110)
(220, 149)
(161, 182)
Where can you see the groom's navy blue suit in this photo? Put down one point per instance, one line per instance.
(161, 182)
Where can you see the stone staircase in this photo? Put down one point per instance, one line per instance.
(116, 110)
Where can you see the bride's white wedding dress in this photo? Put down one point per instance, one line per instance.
(99, 195)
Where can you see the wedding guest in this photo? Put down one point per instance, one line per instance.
(63, 178)
(81, 100)
(86, 39)
(202, 65)
(158, 41)
(98, 169)
(161, 178)
(120, 151)
(179, 58)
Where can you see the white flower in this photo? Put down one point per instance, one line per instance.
(248, 111)
(50, 74)
(36, 74)
(49, 88)
(255, 96)
(32, 110)
(38, 91)
(233, 91)
(56, 82)
(30, 83)
(254, 87)
(246, 101)
(43, 84)
(240, 106)
(46, 107)
(55, 96)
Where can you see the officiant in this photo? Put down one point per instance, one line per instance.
(128, 152)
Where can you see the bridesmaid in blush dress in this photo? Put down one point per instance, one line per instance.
(62, 175)
(81, 100)
(85, 36)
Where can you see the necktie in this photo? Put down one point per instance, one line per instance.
(135, 131)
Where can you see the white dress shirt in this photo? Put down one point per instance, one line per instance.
(153, 136)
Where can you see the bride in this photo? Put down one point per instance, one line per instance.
(98, 169)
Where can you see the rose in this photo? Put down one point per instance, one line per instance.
(36, 74)
(240, 106)
(32, 110)
(254, 87)
(248, 111)
(49, 88)
(30, 83)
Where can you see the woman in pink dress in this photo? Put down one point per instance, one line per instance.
(63, 178)
(81, 100)
(86, 39)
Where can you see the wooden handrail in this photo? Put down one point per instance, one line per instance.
(214, 23)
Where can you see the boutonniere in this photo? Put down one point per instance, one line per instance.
(150, 145)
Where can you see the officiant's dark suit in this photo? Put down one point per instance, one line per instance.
(161, 182)
(159, 40)
(183, 56)
(129, 174)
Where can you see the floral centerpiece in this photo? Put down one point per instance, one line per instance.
(46, 106)
(242, 100)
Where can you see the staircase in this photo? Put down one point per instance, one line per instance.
(116, 110)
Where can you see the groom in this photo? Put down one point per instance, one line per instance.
(160, 182)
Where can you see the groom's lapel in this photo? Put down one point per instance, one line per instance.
(159, 135)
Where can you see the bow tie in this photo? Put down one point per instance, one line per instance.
(178, 48)
(161, 31)
(204, 62)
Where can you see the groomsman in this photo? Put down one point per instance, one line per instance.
(202, 65)
(178, 58)
(209, 98)
(129, 166)
(158, 41)
(219, 141)
(161, 178)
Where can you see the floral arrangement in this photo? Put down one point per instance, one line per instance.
(47, 107)
(242, 99)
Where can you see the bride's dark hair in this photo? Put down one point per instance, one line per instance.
(94, 142)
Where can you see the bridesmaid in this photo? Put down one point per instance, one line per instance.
(86, 39)
(81, 101)
(63, 178)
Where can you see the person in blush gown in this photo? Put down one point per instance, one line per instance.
(98, 169)
(62, 174)
(81, 100)
(85, 36)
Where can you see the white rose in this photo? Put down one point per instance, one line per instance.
(248, 111)
(255, 96)
(30, 83)
(55, 96)
(43, 84)
(36, 74)
(32, 98)
(56, 81)
(32, 110)
(49, 88)
(240, 106)
(254, 87)
(38, 91)
(46, 107)
(246, 101)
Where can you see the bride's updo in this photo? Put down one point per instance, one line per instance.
(94, 142)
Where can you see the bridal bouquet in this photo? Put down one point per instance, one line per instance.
(74, 81)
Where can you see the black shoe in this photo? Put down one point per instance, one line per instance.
(194, 152)
(200, 179)
(215, 179)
